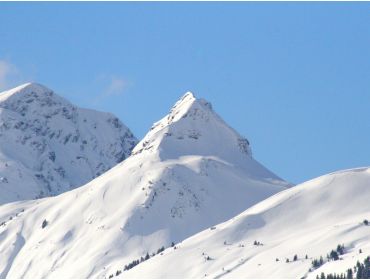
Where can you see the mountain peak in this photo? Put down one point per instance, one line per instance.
(189, 128)
(182, 106)
(188, 99)
(24, 90)
(187, 105)
(32, 86)
(188, 95)
(53, 144)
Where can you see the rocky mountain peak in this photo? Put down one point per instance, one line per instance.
(192, 127)
(54, 145)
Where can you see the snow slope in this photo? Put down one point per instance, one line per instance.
(190, 171)
(309, 219)
(48, 145)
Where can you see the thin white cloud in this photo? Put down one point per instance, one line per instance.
(116, 86)
(111, 86)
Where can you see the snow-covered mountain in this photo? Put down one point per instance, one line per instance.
(309, 220)
(48, 145)
(190, 171)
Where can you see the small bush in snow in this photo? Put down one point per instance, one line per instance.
(44, 224)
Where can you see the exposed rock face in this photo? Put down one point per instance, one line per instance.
(48, 145)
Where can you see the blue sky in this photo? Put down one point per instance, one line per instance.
(294, 78)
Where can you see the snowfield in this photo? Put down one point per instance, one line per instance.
(190, 172)
(309, 219)
(49, 146)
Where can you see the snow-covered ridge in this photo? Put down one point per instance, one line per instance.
(169, 189)
(48, 145)
(310, 219)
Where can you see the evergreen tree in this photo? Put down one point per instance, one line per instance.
(160, 250)
(317, 263)
(349, 273)
(359, 270)
(340, 249)
(367, 268)
(334, 255)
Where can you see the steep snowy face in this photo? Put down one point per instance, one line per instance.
(307, 221)
(169, 189)
(193, 128)
(48, 145)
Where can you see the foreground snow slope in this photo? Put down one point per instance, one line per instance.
(190, 171)
(309, 219)
(48, 145)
